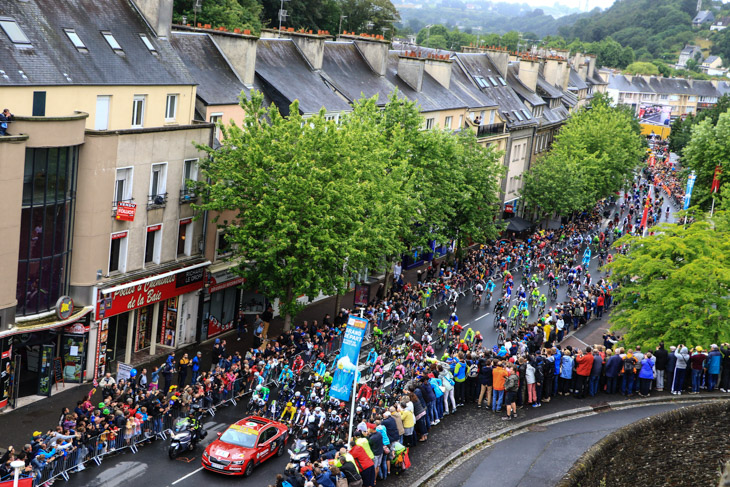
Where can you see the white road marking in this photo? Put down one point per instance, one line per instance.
(482, 316)
(188, 475)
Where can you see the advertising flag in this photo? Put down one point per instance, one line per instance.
(688, 193)
(716, 179)
(645, 216)
(347, 359)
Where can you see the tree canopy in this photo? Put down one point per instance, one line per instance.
(316, 201)
(673, 284)
(709, 146)
(591, 158)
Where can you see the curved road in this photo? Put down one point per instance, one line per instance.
(544, 454)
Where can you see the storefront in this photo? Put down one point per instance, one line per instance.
(35, 357)
(222, 301)
(141, 315)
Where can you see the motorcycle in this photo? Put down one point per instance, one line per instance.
(183, 439)
(299, 451)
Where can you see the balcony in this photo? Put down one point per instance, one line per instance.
(155, 201)
(187, 196)
(490, 130)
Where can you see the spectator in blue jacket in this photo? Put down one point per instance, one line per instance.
(714, 360)
(613, 368)
(195, 367)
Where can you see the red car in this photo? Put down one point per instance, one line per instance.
(245, 444)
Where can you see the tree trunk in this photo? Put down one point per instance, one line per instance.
(289, 301)
(386, 281)
(338, 300)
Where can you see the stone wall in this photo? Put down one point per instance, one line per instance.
(685, 446)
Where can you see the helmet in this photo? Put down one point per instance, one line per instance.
(462, 341)
(302, 408)
(255, 396)
(258, 387)
(359, 409)
(256, 374)
(317, 385)
(363, 400)
(297, 394)
(318, 409)
(408, 335)
(453, 315)
(288, 404)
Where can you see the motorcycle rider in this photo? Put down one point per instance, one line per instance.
(194, 427)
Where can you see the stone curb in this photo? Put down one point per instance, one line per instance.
(508, 432)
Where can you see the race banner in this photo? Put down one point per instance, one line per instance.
(688, 193)
(716, 179)
(347, 359)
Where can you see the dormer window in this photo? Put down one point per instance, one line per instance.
(13, 31)
(112, 42)
(75, 40)
(148, 43)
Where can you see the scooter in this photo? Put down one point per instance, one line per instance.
(299, 451)
(183, 439)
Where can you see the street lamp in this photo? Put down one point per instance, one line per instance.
(282, 13)
(339, 30)
(17, 466)
(428, 33)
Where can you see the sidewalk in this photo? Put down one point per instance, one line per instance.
(17, 425)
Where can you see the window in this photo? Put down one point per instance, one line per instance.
(222, 247)
(519, 117)
(333, 117)
(75, 40)
(447, 123)
(185, 237)
(429, 123)
(190, 173)
(480, 81)
(492, 80)
(39, 103)
(501, 81)
(171, 108)
(13, 31)
(158, 185)
(153, 244)
(118, 252)
(101, 117)
(216, 119)
(491, 117)
(147, 43)
(112, 41)
(46, 226)
(692, 98)
(526, 114)
(123, 185)
(461, 121)
(138, 111)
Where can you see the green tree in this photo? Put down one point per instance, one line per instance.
(311, 199)
(221, 13)
(510, 40)
(673, 285)
(639, 67)
(593, 155)
(682, 129)
(708, 148)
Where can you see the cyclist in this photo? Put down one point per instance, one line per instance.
(535, 294)
(513, 312)
(372, 357)
(442, 328)
(490, 287)
(523, 305)
(542, 302)
(453, 319)
(263, 392)
(288, 409)
(469, 336)
(478, 289)
(286, 374)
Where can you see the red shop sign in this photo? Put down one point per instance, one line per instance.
(153, 228)
(140, 295)
(126, 211)
(224, 285)
(117, 236)
(509, 208)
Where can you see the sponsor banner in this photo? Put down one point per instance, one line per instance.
(224, 285)
(126, 211)
(346, 371)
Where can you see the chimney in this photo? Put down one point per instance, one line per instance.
(439, 67)
(500, 58)
(373, 48)
(551, 70)
(310, 45)
(591, 66)
(629, 77)
(240, 51)
(528, 69)
(158, 14)
(410, 69)
(582, 71)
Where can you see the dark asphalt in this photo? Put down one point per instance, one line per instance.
(542, 456)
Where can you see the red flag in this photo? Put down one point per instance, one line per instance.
(645, 217)
(716, 179)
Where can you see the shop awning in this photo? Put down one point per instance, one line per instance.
(156, 277)
(47, 323)
(517, 224)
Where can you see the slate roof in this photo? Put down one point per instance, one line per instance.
(704, 88)
(703, 16)
(51, 58)
(285, 76)
(546, 89)
(217, 83)
(575, 82)
(723, 87)
(551, 116)
(350, 74)
(569, 99)
(710, 59)
(520, 88)
(432, 97)
(477, 64)
(463, 88)
(620, 83)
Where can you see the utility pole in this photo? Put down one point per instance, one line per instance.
(283, 14)
(197, 7)
(339, 30)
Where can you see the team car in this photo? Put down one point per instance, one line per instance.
(244, 445)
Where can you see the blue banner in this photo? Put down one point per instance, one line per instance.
(346, 370)
(688, 193)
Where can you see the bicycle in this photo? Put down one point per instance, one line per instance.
(476, 301)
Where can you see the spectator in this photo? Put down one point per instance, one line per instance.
(5, 118)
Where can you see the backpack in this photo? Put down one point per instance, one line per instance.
(629, 365)
(473, 370)
(286, 484)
